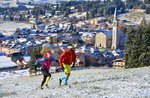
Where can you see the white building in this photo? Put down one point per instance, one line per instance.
(9, 3)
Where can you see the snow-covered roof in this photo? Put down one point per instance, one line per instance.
(29, 6)
(21, 40)
(81, 23)
(108, 32)
(86, 49)
(53, 34)
(50, 45)
(115, 53)
(3, 38)
(88, 35)
(119, 60)
(33, 31)
(2, 53)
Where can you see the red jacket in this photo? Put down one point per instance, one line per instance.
(67, 57)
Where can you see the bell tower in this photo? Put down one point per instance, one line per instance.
(115, 32)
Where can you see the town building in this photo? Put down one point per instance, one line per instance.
(109, 38)
(118, 63)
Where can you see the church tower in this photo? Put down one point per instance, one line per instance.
(115, 40)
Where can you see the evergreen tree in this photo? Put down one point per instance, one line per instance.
(87, 15)
(146, 1)
(100, 11)
(92, 13)
(35, 54)
(128, 48)
(145, 56)
(147, 10)
(137, 48)
(79, 7)
(143, 22)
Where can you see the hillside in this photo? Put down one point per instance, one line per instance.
(87, 83)
(134, 17)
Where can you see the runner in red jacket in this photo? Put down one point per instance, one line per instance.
(66, 60)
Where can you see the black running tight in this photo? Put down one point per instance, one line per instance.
(45, 75)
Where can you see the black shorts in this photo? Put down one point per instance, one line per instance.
(45, 72)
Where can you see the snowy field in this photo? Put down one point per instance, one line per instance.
(7, 68)
(6, 62)
(13, 73)
(86, 83)
(134, 18)
(8, 28)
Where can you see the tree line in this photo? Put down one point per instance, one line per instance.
(137, 47)
(92, 8)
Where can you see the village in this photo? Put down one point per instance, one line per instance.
(97, 42)
(74, 48)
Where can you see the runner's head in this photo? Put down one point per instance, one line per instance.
(48, 54)
(70, 47)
